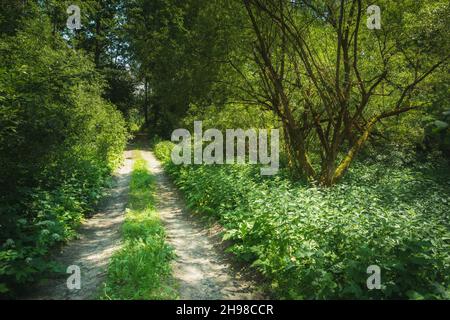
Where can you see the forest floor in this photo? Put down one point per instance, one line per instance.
(201, 269)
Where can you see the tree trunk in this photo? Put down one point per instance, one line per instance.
(328, 172)
(298, 152)
(146, 103)
(97, 49)
(345, 164)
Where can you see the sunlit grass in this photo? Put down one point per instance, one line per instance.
(141, 268)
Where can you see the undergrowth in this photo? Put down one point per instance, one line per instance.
(317, 243)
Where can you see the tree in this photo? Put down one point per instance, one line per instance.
(330, 79)
(59, 140)
(178, 51)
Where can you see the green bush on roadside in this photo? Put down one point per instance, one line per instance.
(59, 142)
(315, 243)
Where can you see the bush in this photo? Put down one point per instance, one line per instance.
(59, 141)
(315, 243)
(163, 150)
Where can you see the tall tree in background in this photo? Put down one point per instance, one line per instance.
(102, 38)
(178, 50)
(12, 12)
(330, 79)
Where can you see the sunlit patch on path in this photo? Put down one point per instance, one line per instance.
(201, 270)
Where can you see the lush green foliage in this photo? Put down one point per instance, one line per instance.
(318, 243)
(163, 150)
(141, 269)
(311, 68)
(59, 140)
(175, 48)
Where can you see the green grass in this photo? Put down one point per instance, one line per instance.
(141, 270)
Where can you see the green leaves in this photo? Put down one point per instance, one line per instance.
(59, 141)
(317, 243)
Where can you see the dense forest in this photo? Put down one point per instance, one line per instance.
(359, 91)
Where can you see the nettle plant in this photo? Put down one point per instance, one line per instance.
(239, 146)
(381, 233)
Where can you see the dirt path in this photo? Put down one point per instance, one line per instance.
(201, 270)
(99, 239)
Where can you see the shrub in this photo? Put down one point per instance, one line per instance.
(315, 243)
(59, 141)
(163, 150)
